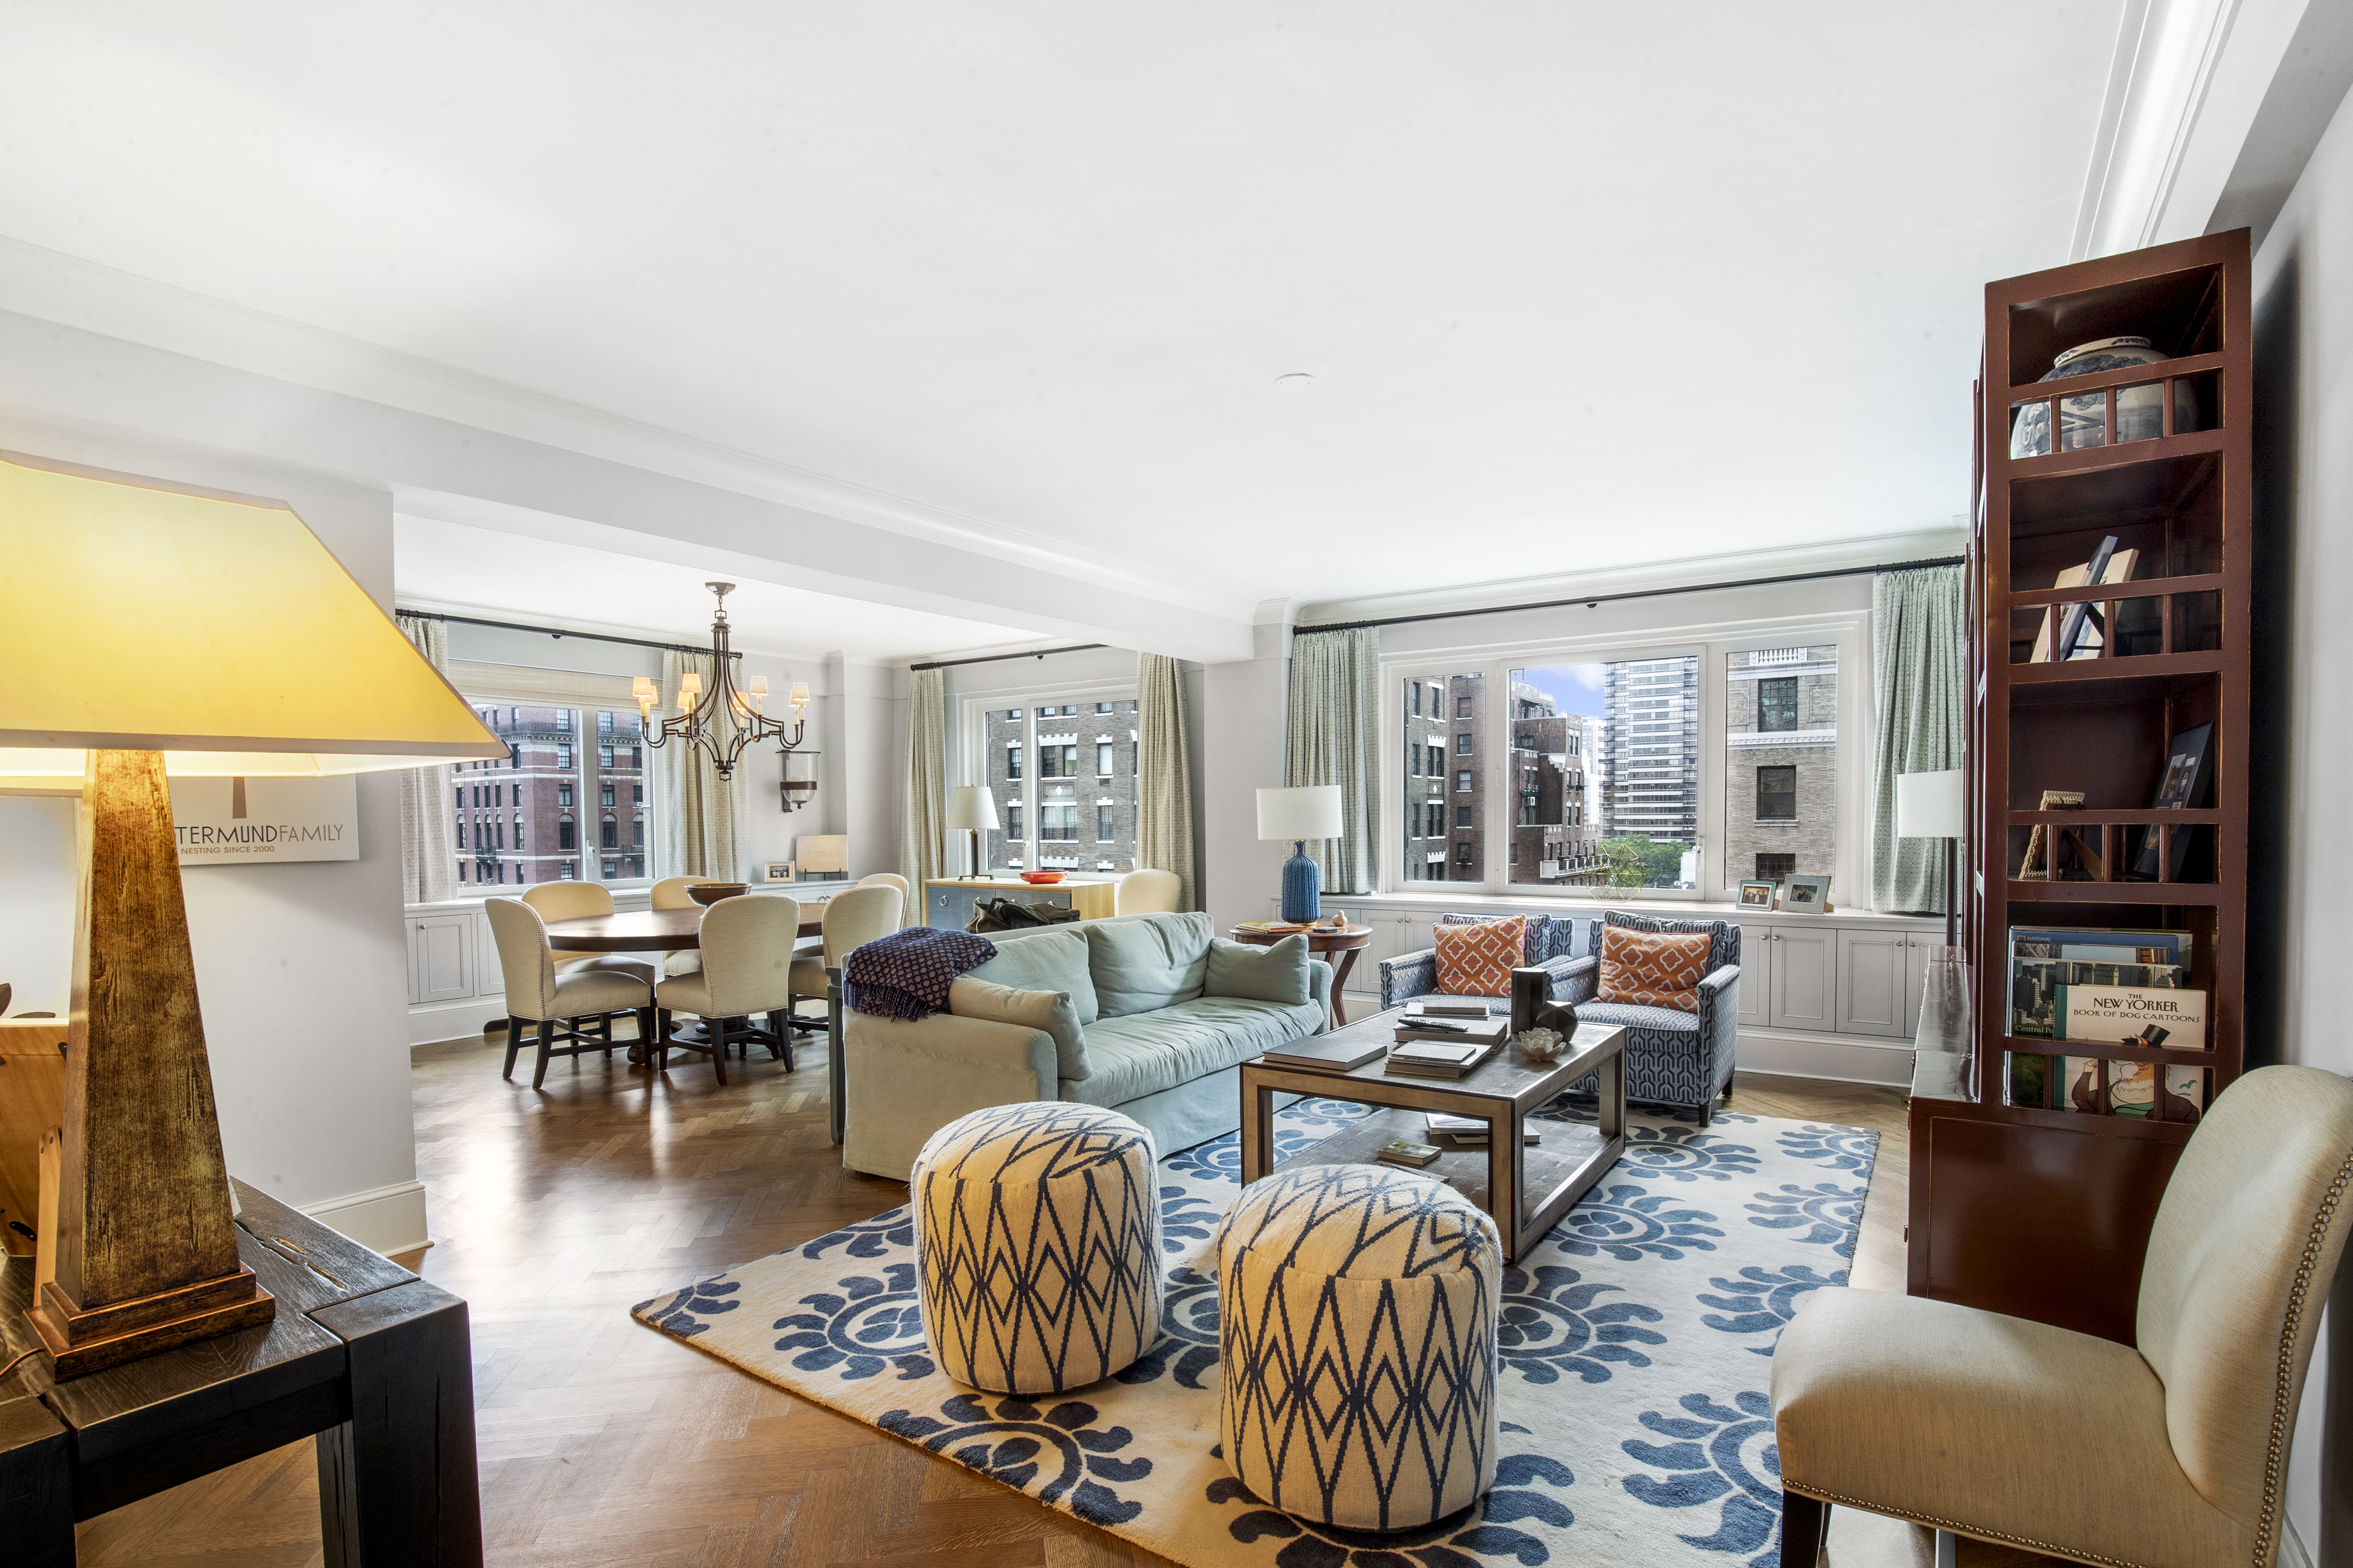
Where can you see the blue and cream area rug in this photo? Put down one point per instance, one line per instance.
(1636, 1343)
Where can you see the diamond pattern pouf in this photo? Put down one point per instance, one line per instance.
(1357, 1345)
(1037, 1243)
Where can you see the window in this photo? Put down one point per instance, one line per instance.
(461, 797)
(462, 832)
(568, 871)
(565, 831)
(1461, 706)
(1781, 737)
(603, 794)
(611, 836)
(637, 833)
(1462, 816)
(638, 758)
(1463, 851)
(604, 723)
(611, 869)
(518, 830)
(536, 806)
(1413, 761)
(563, 720)
(1462, 744)
(563, 794)
(605, 758)
(1463, 782)
(563, 759)
(1437, 762)
(1774, 868)
(498, 794)
(637, 795)
(1045, 741)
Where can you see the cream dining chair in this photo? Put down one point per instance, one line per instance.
(670, 893)
(582, 901)
(853, 917)
(558, 1002)
(892, 879)
(2170, 1452)
(1147, 894)
(747, 968)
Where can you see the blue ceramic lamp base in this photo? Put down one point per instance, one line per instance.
(1301, 885)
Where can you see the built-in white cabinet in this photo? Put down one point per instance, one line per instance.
(1756, 973)
(1871, 987)
(441, 958)
(1804, 968)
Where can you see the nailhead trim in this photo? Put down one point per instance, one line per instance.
(2283, 1388)
(1980, 1531)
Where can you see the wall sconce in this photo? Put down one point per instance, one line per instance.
(800, 778)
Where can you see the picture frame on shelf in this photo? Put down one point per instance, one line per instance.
(776, 871)
(2182, 786)
(1805, 895)
(1758, 895)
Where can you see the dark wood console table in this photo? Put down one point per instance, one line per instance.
(363, 1355)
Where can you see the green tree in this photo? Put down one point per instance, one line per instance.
(1638, 862)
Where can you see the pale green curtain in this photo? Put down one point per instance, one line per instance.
(700, 815)
(923, 830)
(1331, 737)
(1921, 680)
(428, 839)
(1164, 805)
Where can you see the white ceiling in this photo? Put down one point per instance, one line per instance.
(500, 575)
(1581, 285)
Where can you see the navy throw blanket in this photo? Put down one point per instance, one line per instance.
(907, 973)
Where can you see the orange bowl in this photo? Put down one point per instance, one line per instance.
(1041, 879)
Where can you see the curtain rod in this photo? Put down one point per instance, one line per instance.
(996, 657)
(553, 632)
(1590, 600)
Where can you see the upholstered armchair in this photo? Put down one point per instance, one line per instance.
(2169, 1452)
(1552, 945)
(1672, 1057)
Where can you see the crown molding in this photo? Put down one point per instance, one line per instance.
(50, 286)
(1875, 550)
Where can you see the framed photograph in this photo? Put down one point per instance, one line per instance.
(1757, 895)
(1810, 895)
(776, 871)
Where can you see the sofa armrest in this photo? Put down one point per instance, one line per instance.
(1408, 976)
(1319, 991)
(903, 1081)
(1719, 1023)
(1575, 979)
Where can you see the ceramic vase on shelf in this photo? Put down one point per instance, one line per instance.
(2083, 421)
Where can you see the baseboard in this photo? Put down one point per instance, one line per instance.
(1788, 1053)
(2292, 1554)
(386, 1219)
(453, 1020)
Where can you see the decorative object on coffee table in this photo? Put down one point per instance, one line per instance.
(1300, 813)
(1357, 1311)
(152, 631)
(1038, 1245)
(1525, 1190)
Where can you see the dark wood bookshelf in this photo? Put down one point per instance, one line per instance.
(2038, 1210)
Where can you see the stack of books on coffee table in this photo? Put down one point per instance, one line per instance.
(1327, 1053)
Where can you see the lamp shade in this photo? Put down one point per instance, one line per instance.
(971, 806)
(1929, 806)
(1309, 811)
(218, 631)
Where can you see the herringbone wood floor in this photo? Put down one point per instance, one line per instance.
(603, 1443)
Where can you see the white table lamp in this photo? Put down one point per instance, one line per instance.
(1935, 805)
(1300, 813)
(972, 808)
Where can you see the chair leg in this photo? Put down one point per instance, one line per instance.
(1727, 1091)
(780, 1047)
(514, 1045)
(1805, 1522)
(658, 1049)
(1706, 1114)
(546, 1041)
(717, 1029)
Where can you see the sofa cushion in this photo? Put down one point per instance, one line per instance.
(1143, 1053)
(1653, 969)
(1044, 961)
(1277, 973)
(1476, 958)
(1143, 965)
(1048, 1011)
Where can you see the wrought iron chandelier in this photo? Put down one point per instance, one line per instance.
(723, 721)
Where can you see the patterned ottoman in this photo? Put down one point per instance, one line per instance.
(1357, 1345)
(1037, 1237)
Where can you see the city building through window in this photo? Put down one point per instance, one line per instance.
(521, 831)
(1088, 745)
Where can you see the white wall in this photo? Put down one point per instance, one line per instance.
(301, 968)
(2300, 918)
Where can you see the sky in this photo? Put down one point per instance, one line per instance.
(1574, 688)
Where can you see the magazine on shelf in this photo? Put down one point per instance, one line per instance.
(2171, 1017)
(1468, 1130)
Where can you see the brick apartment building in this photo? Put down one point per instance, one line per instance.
(569, 805)
(1066, 774)
(1546, 799)
(1780, 712)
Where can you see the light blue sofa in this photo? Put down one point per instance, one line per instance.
(1155, 1017)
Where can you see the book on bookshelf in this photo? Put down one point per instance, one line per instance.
(2044, 958)
(2130, 1015)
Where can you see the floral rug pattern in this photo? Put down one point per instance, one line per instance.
(1635, 1343)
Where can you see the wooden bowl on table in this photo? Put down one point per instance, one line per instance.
(709, 893)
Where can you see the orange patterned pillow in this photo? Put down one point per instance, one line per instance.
(1653, 969)
(1478, 959)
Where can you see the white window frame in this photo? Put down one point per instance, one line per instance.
(587, 695)
(972, 751)
(1711, 645)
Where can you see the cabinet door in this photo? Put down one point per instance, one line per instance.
(948, 908)
(1915, 968)
(1805, 969)
(1756, 973)
(440, 958)
(1871, 981)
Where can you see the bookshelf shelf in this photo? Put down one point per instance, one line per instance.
(2040, 1212)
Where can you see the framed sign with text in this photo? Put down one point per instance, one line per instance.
(251, 821)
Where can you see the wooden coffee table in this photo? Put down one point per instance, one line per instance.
(1525, 1190)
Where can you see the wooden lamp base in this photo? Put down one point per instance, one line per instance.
(79, 1342)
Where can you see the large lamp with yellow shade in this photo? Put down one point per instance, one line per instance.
(153, 630)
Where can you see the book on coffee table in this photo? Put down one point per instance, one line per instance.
(1467, 1132)
(1405, 1152)
(1461, 1031)
(1325, 1053)
(1447, 1006)
(1436, 1058)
